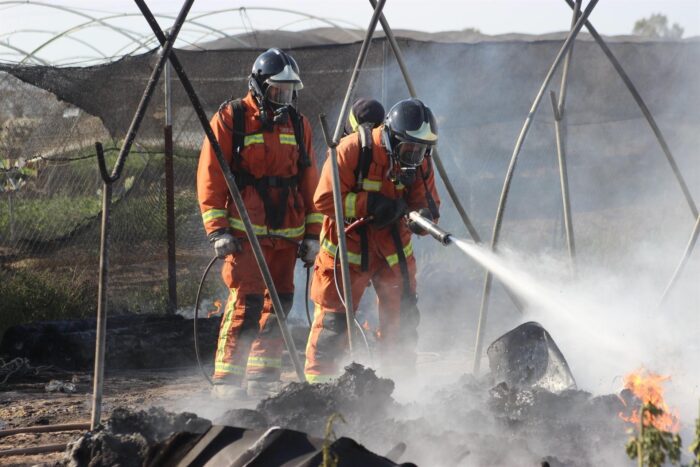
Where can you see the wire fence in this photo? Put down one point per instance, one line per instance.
(50, 188)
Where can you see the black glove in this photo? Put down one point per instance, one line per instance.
(385, 211)
(414, 227)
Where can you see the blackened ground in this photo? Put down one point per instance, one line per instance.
(469, 422)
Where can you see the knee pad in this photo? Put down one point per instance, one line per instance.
(271, 325)
(330, 338)
(253, 311)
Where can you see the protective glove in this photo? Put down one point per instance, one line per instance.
(385, 211)
(308, 250)
(225, 244)
(414, 227)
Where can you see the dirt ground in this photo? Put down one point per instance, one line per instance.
(28, 404)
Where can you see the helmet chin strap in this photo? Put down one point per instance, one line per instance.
(280, 113)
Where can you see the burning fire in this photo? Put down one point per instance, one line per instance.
(648, 387)
(217, 311)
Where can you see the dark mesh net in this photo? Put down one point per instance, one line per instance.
(480, 94)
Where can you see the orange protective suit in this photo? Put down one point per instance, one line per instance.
(250, 341)
(396, 290)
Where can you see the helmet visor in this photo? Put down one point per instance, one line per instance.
(411, 154)
(280, 93)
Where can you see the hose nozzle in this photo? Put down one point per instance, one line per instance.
(431, 227)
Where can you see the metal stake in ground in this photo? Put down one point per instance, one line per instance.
(337, 196)
(389, 33)
(688, 250)
(170, 191)
(106, 202)
(559, 117)
(509, 175)
(233, 189)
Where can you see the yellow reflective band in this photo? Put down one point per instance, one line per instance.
(289, 233)
(317, 379)
(262, 230)
(287, 139)
(264, 362)
(211, 214)
(394, 259)
(350, 201)
(331, 249)
(225, 327)
(353, 121)
(227, 368)
(371, 185)
(315, 218)
(400, 186)
(238, 225)
(256, 138)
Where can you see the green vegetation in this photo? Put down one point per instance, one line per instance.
(657, 25)
(651, 446)
(45, 295)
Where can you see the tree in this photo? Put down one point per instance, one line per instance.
(657, 26)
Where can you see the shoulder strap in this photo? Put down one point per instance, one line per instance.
(298, 123)
(432, 205)
(238, 112)
(364, 135)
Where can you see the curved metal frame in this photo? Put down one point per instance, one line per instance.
(145, 42)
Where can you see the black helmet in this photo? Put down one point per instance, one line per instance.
(409, 132)
(364, 111)
(275, 78)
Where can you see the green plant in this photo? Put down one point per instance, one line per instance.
(45, 295)
(330, 458)
(695, 445)
(651, 447)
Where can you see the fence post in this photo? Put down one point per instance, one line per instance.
(170, 190)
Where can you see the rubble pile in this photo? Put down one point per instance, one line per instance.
(127, 437)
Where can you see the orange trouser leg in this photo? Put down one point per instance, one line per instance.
(328, 339)
(398, 316)
(265, 360)
(240, 324)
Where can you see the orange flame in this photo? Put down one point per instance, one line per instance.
(648, 387)
(217, 304)
(365, 326)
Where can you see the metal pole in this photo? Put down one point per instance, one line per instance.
(645, 111)
(170, 192)
(688, 250)
(101, 334)
(389, 33)
(233, 189)
(511, 169)
(559, 116)
(564, 182)
(337, 196)
(166, 48)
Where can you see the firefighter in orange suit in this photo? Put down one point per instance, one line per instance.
(384, 173)
(267, 144)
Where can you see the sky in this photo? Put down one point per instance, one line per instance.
(26, 25)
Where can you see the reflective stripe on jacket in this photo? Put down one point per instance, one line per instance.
(355, 203)
(265, 154)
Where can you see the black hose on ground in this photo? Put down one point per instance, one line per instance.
(196, 315)
(199, 294)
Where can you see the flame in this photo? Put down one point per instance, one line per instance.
(365, 326)
(648, 387)
(217, 311)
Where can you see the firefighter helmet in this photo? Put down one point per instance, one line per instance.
(275, 78)
(409, 132)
